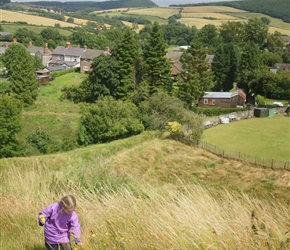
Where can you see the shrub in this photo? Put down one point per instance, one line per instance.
(160, 109)
(260, 100)
(40, 140)
(208, 111)
(108, 120)
(174, 128)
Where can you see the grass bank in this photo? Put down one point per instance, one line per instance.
(147, 192)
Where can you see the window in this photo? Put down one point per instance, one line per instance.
(205, 101)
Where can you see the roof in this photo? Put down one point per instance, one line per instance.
(34, 49)
(209, 59)
(223, 95)
(70, 51)
(62, 62)
(178, 65)
(91, 53)
(55, 68)
(217, 95)
(42, 71)
(173, 55)
(43, 54)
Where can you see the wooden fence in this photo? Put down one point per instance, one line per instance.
(232, 154)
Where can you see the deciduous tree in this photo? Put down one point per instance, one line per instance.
(108, 120)
(256, 31)
(20, 66)
(10, 125)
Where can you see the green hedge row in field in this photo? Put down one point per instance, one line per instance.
(208, 111)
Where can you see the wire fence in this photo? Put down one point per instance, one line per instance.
(257, 160)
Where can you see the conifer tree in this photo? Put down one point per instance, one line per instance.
(20, 66)
(225, 66)
(156, 65)
(127, 55)
(197, 77)
(250, 62)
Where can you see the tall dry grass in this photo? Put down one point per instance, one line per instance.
(120, 209)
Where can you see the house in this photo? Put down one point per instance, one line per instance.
(42, 76)
(277, 66)
(223, 99)
(42, 52)
(66, 56)
(176, 66)
(88, 56)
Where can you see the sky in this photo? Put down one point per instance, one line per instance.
(158, 2)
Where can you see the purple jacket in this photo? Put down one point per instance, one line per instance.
(59, 225)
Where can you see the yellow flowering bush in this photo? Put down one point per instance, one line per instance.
(174, 128)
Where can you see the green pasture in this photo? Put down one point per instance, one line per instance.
(51, 114)
(281, 26)
(163, 13)
(12, 27)
(149, 18)
(265, 137)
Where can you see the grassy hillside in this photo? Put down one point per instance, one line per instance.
(192, 16)
(12, 16)
(148, 192)
(143, 192)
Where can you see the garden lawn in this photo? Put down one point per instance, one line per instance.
(265, 137)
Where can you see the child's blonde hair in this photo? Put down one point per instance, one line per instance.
(68, 203)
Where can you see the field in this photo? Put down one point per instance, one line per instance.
(164, 13)
(191, 16)
(264, 137)
(11, 16)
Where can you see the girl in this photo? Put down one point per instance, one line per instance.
(60, 220)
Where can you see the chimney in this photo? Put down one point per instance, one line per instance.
(67, 45)
(14, 40)
(78, 46)
(30, 43)
(46, 52)
(85, 47)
